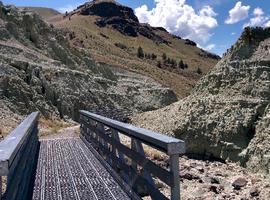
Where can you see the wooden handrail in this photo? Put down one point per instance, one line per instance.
(102, 133)
(159, 141)
(19, 149)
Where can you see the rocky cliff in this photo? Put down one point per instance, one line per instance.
(39, 70)
(119, 17)
(227, 115)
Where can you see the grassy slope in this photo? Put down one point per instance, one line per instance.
(46, 13)
(105, 51)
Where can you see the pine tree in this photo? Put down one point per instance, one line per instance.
(140, 53)
(159, 64)
(168, 61)
(164, 56)
(173, 62)
(153, 56)
(199, 71)
(181, 64)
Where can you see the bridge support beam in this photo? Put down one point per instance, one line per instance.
(174, 168)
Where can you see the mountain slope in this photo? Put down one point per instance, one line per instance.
(227, 115)
(40, 70)
(46, 13)
(113, 38)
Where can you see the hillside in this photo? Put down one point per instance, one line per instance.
(41, 71)
(46, 13)
(227, 115)
(114, 38)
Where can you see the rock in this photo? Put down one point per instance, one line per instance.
(254, 192)
(120, 18)
(239, 183)
(216, 188)
(189, 176)
(226, 117)
(41, 71)
(200, 168)
(213, 188)
(214, 180)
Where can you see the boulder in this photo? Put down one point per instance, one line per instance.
(239, 183)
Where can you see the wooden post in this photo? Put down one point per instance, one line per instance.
(140, 150)
(134, 147)
(174, 168)
(1, 187)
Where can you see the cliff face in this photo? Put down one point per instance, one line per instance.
(39, 70)
(226, 116)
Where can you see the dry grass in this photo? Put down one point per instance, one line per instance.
(104, 50)
(49, 127)
(4, 183)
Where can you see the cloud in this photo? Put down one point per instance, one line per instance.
(258, 18)
(238, 13)
(180, 19)
(67, 8)
(267, 24)
(210, 47)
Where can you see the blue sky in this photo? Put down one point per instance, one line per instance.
(214, 24)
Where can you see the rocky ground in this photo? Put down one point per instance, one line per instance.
(205, 180)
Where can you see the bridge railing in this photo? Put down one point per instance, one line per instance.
(17, 159)
(131, 162)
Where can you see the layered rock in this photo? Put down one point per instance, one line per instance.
(39, 70)
(226, 116)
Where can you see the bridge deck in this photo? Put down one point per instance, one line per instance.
(67, 169)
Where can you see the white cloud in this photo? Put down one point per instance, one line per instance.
(258, 11)
(67, 8)
(238, 13)
(258, 18)
(210, 47)
(180, 19)
(267, 24)
(233, 33)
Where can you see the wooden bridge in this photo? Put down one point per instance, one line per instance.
(96, 165)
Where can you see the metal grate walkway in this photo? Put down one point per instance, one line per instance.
(68, 169)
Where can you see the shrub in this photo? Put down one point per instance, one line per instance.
(159, 64)
(164, 56)
(140, 53)
(153, 56)
(199, 71)
(181, 64)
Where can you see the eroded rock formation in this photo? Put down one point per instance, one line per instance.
(227, 115)
(39, 70)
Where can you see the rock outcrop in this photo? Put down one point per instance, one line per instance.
(119, 17)
(39, 70)
(227, 115)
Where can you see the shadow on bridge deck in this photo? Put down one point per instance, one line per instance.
(68, 169)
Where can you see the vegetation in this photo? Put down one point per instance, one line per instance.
(121, 46)
(101, 45)
(140, 53)
(164, 56)
(159, 64)
(199, 71)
